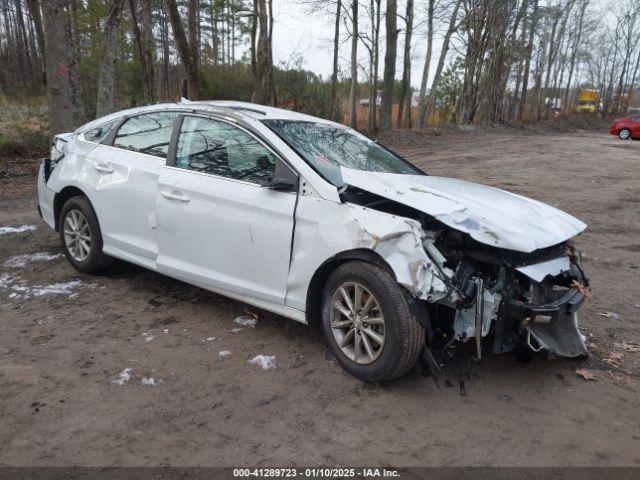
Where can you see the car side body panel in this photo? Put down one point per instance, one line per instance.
(226, 234)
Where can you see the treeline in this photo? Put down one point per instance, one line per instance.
(482, 60)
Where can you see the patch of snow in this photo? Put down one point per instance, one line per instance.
(23, 228)
(245, 321)
(20, 261)
(149, 382)
(63, 288)
(223, 354)
(123, 377)
(264, 361)
(166, 330)
(5, 280)
(210, 338)
(236, 330)
(148, 336)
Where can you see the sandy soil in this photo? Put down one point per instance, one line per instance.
(60, 354)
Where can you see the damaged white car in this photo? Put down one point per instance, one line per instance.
(314, 221)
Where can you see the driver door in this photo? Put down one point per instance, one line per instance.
(217, 227)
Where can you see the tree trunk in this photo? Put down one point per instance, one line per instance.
(107, 71)
(353, 96)
(254, 32)
(404, 103)
(333, 115)
(36, 16)
(389, 64)
(192, 22)
(63, 112)
(146, 49)
(422, 107)
(264, 89)
(527, 63)
(184, 51)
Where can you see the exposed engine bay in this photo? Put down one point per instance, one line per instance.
(517, 299)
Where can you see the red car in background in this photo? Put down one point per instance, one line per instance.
(627, 128)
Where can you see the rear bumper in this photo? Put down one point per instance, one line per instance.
(45, 195)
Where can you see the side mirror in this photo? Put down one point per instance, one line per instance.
(284, 179)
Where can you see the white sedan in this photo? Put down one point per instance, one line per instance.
(316, 222)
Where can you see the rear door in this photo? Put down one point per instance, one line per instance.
(217, 226)
(126, 190)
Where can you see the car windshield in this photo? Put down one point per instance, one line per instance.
(327, 147)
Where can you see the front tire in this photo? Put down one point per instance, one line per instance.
(624, 134)
(81, 237)
(370, 322)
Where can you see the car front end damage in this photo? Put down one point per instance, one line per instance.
(498, 266)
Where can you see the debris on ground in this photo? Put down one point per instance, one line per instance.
(613, 315)
(149, 382)
(586, 374)
(264, 361)
(236, 330)
(148, 336)
(613, 359)
(246, 321)
(21, 229)
(20, 261)
(123, 377)
(223, 354)
(633, 347)
(617, 378)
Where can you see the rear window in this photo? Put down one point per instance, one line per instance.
(149, 133)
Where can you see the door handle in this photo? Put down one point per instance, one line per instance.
(175, 196)
(101, 167)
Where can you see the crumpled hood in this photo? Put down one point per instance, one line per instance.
(489, 215)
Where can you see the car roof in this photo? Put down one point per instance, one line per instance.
(232, 108)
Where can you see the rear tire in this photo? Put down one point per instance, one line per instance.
(624, 134)
(381, 343)
(81, 237)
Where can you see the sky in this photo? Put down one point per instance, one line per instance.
(300, 33)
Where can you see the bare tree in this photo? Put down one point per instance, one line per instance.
(107, 76)
(431, 98)
(422, 105)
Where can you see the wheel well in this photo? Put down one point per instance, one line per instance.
(61, 198)
(314, 293)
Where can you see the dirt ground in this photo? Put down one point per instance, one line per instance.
(61, 355)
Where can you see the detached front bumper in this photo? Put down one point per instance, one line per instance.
(552, 326)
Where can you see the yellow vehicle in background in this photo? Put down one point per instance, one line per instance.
(587, 101)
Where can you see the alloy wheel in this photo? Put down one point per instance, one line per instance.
(77, 236)
(357, 323)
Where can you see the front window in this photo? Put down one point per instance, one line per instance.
(327, 147)
(217, 148)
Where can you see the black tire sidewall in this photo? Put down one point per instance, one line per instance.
(94, 261)
(393, 302)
